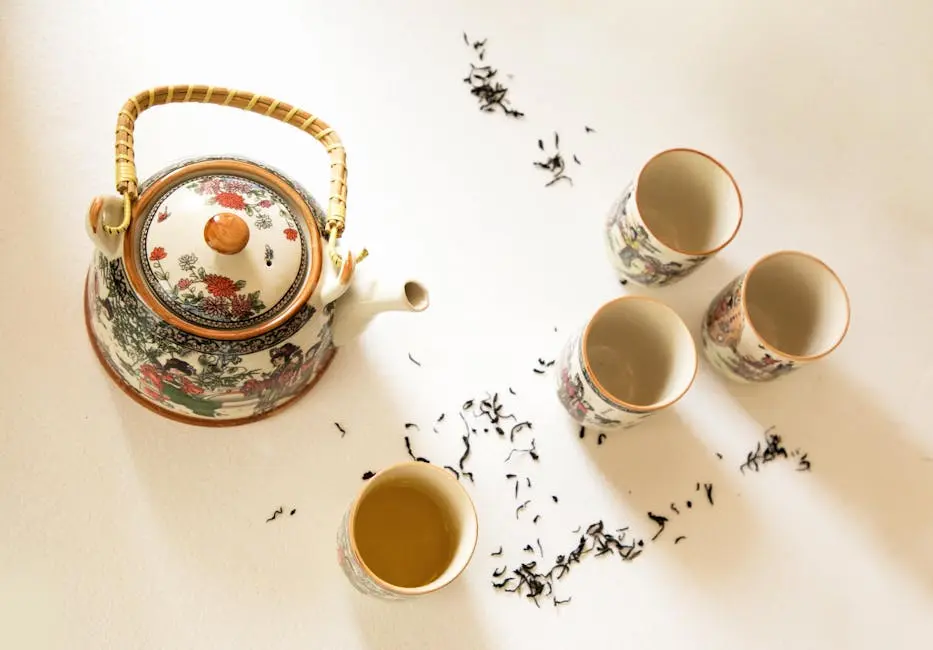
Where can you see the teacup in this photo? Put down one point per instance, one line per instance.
(682, 207)
(788, 309)
(410, 531)
(632, 359)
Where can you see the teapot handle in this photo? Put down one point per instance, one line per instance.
(127, 182)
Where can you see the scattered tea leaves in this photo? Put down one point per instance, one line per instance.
(485, 86)
(519, 509)
(275, 514)
(660, 520)
(342, 431)
(413, 360)
(368, 475)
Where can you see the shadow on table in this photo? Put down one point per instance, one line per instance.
(211, 490)
(446, 619)
(859, 454)
(691, 296)
(660, 467)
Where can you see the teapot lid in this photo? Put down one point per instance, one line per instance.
(224, 249)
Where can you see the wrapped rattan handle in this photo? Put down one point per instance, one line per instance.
(128, 184)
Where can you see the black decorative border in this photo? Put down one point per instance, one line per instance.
(165, 298)
(319, 215)
(161, 330)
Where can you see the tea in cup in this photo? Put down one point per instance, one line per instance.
(411, 531)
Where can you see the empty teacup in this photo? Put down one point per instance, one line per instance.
(682, 208)
(786, 310)
(633, 358)
(411, 531)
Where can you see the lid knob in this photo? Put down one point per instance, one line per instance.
(226, 233)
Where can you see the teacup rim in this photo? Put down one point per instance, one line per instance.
(636, 407)
(718, 163)
(388, 586)
(769, 346)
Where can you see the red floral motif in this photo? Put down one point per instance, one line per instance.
(162, 216)
(214, 305)
(150, 380)
(236, 186)
(183, 284)
(220, 286)
(240, 306)
(290, 234)
(158, 253)
(230, 200)
(189, 386)
(265, 203)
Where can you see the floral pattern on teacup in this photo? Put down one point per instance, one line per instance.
(734, 349)
(356, 574)
(582, 399)
(636, 253)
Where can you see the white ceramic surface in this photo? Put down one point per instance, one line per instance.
(236, 340)
(682, 207)
(789, 309)
(122, 530)
(634, 357)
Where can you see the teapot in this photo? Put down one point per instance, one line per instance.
(217, 292)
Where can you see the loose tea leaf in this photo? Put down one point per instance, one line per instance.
(660, 520)
(340, 429)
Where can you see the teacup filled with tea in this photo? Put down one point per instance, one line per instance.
(411, 531)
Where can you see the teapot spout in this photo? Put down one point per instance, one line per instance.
(105, 210)
(366, 299)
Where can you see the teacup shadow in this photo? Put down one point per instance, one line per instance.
(660, 467)
(422, 622)
(212, 490)
(690, 297)
(858, 453)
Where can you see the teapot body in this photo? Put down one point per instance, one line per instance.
(195, 378)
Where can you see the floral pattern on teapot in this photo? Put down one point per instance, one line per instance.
(223, 298)
(198, 377)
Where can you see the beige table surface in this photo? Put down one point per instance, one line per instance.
(122, 530)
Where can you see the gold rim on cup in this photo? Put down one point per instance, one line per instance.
(357, 557)
(735, 185)
(589, 370)
(747, 317)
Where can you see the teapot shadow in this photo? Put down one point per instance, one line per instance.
(660, 467)
(212, 490)
(859, 453)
